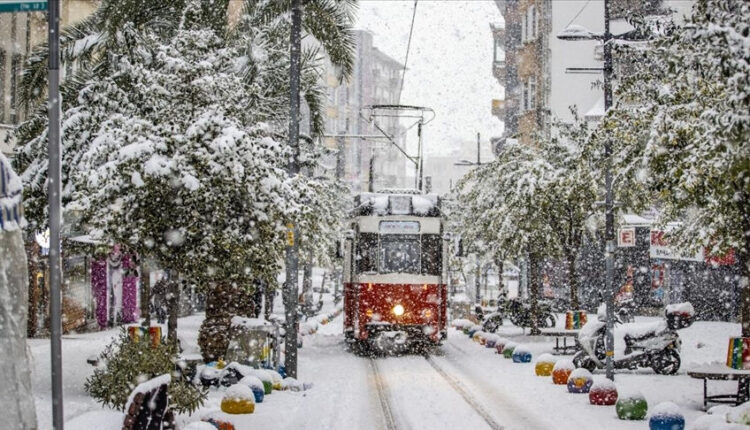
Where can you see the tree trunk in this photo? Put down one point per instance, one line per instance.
(534, 284)
(173, 307)
(573, 282)
(145, 292)
(268, 294)
(221, 305)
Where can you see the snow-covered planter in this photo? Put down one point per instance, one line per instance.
(631, 407)
(580, 381)
(508, 350)
(256, 386)
(561, 371)
(603, 393)
(521, 354)
(238, 399)
(544, 365)
(666, 416)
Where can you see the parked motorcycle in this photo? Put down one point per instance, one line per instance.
(657, 347)
(519, 313)
(490, 322)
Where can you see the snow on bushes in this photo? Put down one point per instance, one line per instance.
(130, 363)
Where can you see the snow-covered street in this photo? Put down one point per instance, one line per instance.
(459, 385)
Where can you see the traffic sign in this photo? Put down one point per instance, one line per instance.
(22, 5)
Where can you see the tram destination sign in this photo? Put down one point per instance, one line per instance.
(23, 5)
(399, 227)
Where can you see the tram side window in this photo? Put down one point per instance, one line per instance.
(367, 253)
(432, 255)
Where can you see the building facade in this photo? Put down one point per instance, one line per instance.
(367, 159)
(19, 33)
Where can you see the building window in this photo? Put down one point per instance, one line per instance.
(532, 12)
(525, 96)
(528, 96)
(532, 94)
(499, 51)
(525, 28)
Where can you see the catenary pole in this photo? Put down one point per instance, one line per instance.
(609, 227)
(292, 250)
(55, 215)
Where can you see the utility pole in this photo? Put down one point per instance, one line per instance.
(609, 227)
(292, 250)
(54, 150)
(479, 152)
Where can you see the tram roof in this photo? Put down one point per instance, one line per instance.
(397, 203)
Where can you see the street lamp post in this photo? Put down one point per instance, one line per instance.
(609, 221)
(292, 250)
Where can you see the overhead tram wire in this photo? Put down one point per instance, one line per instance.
(408, 47)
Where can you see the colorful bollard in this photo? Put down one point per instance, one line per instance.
(632, 407)
(508, 350)
(544, 365)
(603, 393)
(238, 399)
(561, 371)
(580, 381)
(666, 416)
(521, 354)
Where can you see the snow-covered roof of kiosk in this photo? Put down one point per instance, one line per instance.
(397, 202)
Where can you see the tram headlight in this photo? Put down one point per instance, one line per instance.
(398, 310)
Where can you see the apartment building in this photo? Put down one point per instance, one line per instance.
(544, 76)
(19, 33)
(367, 160)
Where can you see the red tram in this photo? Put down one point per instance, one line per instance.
(394, 290)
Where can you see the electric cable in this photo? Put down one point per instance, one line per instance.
(408, 47)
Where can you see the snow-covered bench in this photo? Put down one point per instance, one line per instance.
(558, 334)
(721, 372)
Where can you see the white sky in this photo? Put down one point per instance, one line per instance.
(449, 67)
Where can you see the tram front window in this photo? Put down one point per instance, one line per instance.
(399, 254)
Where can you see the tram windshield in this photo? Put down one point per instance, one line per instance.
(399, 254)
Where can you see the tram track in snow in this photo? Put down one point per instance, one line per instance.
(462, 391)
(385, 402)
(394, 418)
